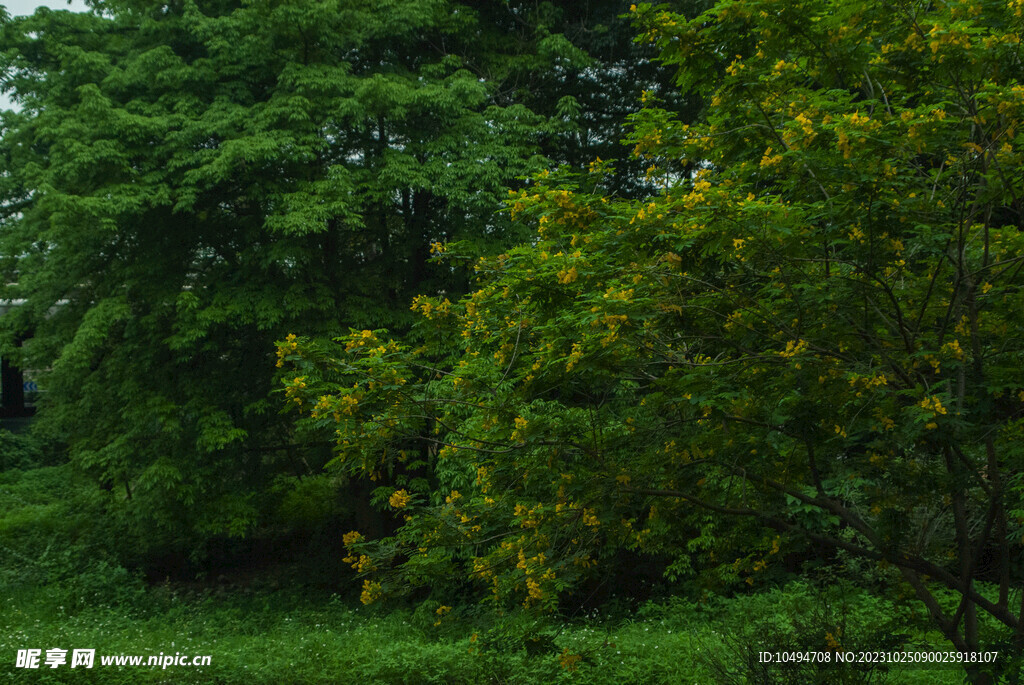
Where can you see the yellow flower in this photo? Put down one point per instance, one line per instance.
(371, 592)
(768, 160)
(793, 348)
(351, 537)
(400, 499)
(805, 124)
(567, 276)
(843, 143)
(574, 356)
(953, 349)
(933, 404)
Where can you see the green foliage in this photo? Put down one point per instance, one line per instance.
(803, 618)
(310, 501)
(20, 451)
(809, 337)
(54, 534)
(302, 637)
(60, 590)
(186, 185)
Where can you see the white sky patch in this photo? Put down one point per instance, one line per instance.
(17, 8)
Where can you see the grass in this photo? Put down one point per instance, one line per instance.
(291, 637)
(55, 595)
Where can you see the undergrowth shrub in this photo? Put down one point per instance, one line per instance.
(20, 451)
(805, 618)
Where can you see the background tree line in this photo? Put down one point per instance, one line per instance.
(750, 307)
(193, 181)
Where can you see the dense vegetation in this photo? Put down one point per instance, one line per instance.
(733, 331)
(287, 625)
(192, 182)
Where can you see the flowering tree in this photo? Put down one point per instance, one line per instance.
(812, 332)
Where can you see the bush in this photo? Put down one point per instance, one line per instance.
(804, 618)
(53, 536)
(19, 451)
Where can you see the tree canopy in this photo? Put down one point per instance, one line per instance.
(808, 335)
(188, 182)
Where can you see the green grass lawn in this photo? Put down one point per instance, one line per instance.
(289, 638)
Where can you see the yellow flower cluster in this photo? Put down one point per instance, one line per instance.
(361, 564)
(482, 567)
(843, 144)
(520, 426)
(400, 499)
(869, 382)
(441, 612)
(574, 357)
(348, 404)
(283, 350)
(566, 276)
(364, 339)
(428, 308)
(371, 592)
(934, 405)
(529, 517)
(623, 295)
(806, 126)
(793, 138)
(953, 349)
(770, 160)
(793, 348)
(887, 423)
(293, 389)
(949, 37)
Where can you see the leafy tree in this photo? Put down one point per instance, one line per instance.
(593, 92)
(188, 182)
(813, 335)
